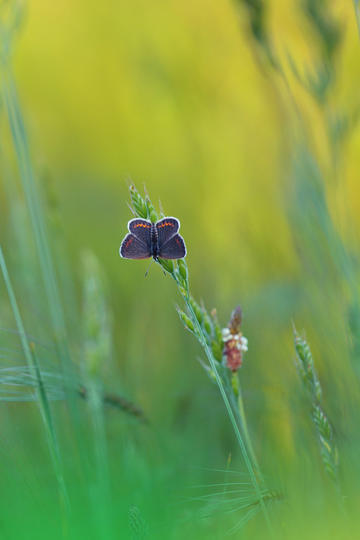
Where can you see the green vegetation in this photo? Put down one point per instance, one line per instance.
(243, 118)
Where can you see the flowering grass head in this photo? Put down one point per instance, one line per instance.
(235, 344)
(324, 430)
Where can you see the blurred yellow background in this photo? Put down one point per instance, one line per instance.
(174, 95)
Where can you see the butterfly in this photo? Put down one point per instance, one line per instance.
(146, 239)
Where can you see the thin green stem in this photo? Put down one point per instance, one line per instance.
(101, 510)
(244, 425)
(35, 212)
(38, 223)
(229, 410)
(43, 401)
(180, 275)
(183, 286)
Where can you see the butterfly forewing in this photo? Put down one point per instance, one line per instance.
(141, 228)
(166, 228)
(173, 248)
(133, 248)
(147, 239)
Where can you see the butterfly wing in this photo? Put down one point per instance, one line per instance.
(166, 228)
(133, 248)
(141, 228)
(173, 248)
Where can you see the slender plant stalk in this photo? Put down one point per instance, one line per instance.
(230, 412)
(96, 353)
(31, 359)
(101, 504)
(248, 462)
(37, 219)
(245, 429)
(179, 272)
(324, 430)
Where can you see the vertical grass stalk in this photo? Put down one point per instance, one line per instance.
(242, 416)
(37, 219)
(324, 431)
(179, 272)
(96, 353)
(230, 413)
(43, 402)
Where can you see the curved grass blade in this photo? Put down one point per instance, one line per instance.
(34, 368)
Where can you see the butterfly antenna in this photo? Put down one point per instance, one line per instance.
(147, 271)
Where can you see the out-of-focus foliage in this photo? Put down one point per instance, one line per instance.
(242, 117)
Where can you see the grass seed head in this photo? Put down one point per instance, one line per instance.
(235, 320)
(151, 212)
(235, 344)
(167, 265)
(139, 205)
(186, 320)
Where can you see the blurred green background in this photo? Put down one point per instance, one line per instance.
(261, 167)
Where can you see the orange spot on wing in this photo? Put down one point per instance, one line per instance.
(142, 225)
(167, 224)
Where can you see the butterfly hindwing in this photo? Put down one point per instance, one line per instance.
(146, 239)
(173, 248)
(141, 228)
(166, 228)
(133, 248)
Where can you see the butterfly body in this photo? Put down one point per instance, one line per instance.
(147, 239)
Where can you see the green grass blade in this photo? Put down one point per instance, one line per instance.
(37, 219)
(230, 413)
(31, 359)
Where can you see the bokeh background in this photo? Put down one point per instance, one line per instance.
(241, 117)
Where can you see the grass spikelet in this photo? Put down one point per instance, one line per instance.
(311, 383)
(125, 405)
(139, 206)
(139, 529)
(96, 318)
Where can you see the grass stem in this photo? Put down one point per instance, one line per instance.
(44, 405)
(244, 425)
(248, 463)
(37, 219)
